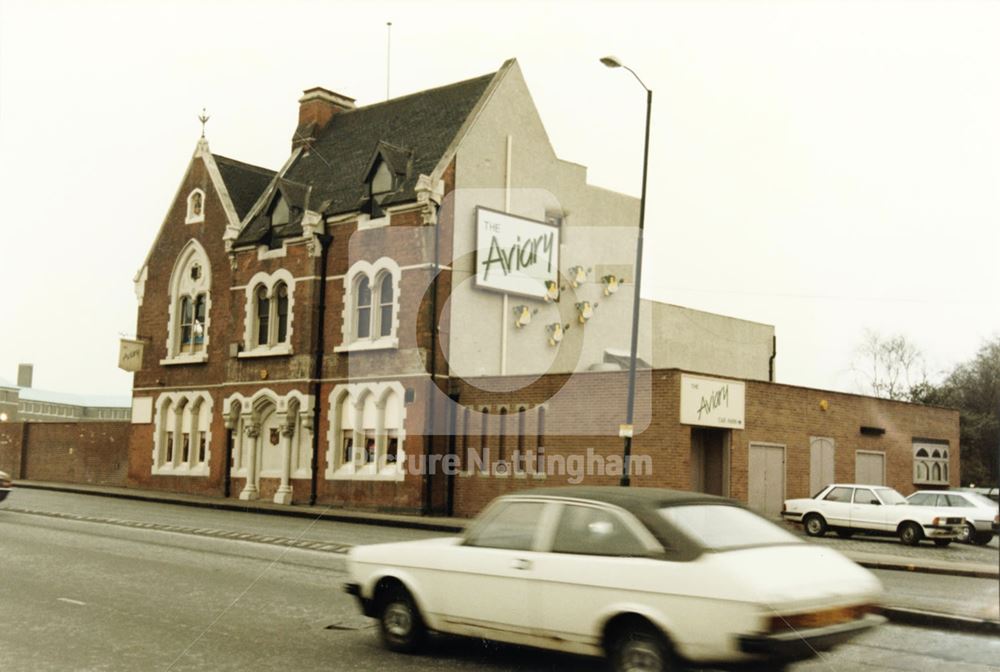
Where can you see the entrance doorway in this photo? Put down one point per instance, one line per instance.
(766, 475)
(710, 460)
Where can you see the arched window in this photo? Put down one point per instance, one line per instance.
(346, 431)
(363, 313)
(502, 436)
(195, 207)
(190, 283)
(385, 305)
(519, 457)
(263, 315)
(466, 454)
(484, 435)
(366, 433)
(540, 443)
(281, 291)
(181, 439)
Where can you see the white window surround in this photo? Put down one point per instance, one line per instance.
(269, 281)
(374, 272)
(930, 463)
(366, 222)
(390, 420)
(194, 421)
(193, 217)
(183, 285)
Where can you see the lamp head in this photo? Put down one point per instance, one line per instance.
(611, 61)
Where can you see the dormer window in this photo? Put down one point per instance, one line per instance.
(381, 184)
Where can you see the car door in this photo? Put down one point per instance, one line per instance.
(836, 506)
(598, 555)
(867, 511)
(489, 578)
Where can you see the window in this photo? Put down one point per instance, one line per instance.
(182, 435)
(930, 462)
(367, 432)
(922, 499)
(839, 495)
(513, 526)
(865, 496)
(371, 303)
(380, 185)
(502, 437)
(195, 207)
(954, 500)
(586, 530)
(269, 314)
(189, 307)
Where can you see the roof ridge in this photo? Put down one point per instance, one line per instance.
(420, 93)
(243, 164)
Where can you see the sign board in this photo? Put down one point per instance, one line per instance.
(625, 431)
(712, 402)
(142, 410)
(515, 255)
(130, 355)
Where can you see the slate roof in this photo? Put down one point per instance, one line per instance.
(412, 131)
(244, 182)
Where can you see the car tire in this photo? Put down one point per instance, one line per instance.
(640, 648)
(814, 525)
(942, 543)
(845, 534)
(910, 534)
(966, 534)
(982, 538)
(400, 623)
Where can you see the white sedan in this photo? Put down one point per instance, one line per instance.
(650, 578)
(982, 516)
(848, 507)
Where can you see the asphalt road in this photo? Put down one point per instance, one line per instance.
(116, 585)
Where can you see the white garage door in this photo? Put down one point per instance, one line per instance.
(820, 463)
(766, 487)
(869, 468)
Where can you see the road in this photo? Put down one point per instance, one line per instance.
(122, 586)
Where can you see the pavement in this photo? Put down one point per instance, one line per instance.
(956, 561)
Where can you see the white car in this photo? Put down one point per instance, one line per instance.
(650, 578)
(5, 485)
(982, 515)
(849, 507)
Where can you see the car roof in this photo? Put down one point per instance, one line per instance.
(628, 498)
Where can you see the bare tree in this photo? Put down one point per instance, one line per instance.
(890, 367)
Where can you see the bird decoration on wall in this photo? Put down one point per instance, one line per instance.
(522, 316)
(585, 311)
(556, 331)
(577, 276)
(551, 291)
(611, 284)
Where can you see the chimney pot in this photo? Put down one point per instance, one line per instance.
(24, 374)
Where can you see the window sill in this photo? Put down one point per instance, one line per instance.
(349, 473)
(180, 470)
(386, 343)
(275, 351)
(365, 222)
(196, 358)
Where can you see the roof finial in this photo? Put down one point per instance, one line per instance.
(203, 118)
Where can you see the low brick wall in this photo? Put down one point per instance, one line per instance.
(94, 453)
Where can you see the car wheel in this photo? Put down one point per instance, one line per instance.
(966, 533)
(402, 628)
(640, 649)
(910, 534)
(815, 525)
(982, 538)
(942, 542)
(845, 534)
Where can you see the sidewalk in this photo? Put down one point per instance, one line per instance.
(900, 608)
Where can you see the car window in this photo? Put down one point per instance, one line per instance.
(890, 496)
(839, 495)
(921, 499)
(587, 530)
(719, 527)
(954, 500)
(981, 500)
(865, 496)
(512, 527)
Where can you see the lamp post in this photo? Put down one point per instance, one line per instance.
(613, 62)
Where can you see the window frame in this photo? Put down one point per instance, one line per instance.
(256, 324)
(186, 294)
(355, 312)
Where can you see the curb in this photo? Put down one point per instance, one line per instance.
(933, 619)
(320, 514)
(923, 569)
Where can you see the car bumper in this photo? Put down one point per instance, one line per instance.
(367, 606)
(802, 644)
(942, 531)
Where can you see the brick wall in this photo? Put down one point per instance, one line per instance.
(94, 453)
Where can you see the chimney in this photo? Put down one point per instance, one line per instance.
(24, 372)
(316, 107)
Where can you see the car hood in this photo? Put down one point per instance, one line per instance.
(401, 552)
(794, 575)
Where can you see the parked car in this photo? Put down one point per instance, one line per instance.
(847, 508)
(982, 515)
(5, 485)
(991, 493)
(646, 577)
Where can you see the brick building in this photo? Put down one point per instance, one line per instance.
(418, 272)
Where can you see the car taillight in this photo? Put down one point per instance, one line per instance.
(819, 619)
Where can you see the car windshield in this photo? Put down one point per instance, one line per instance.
(890, 496)
(980, 500)
(719, 527)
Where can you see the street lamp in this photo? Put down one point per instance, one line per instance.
(613, 62)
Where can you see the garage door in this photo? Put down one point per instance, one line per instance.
(869, 468)
(766, 487)
(820, 463)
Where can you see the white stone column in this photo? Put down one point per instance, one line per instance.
(284, 493)
(250, 489)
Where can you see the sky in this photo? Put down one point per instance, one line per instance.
(825, 167)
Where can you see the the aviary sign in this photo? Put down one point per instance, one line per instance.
(712, 402)
(515, 255)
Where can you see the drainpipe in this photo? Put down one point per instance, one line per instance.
(770, 362)
(324, 241)
(430, 423)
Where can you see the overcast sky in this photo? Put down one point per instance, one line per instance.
(824, 167)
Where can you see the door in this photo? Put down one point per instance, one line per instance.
(766, 477)
(710, 460)
(867, 512)
(869, 468)
(820, 463)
